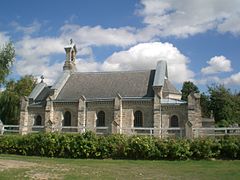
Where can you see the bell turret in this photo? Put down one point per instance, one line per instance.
(71, 52)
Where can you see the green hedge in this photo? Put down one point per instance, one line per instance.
(89, 145)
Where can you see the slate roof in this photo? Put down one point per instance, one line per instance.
(97, 85)
(108, 84)
(169, 88)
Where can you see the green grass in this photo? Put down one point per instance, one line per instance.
(25, 167)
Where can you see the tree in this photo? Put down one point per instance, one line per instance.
(224, 104)
(205, 105)
(7, 55)
(10, 98)
(187, 88)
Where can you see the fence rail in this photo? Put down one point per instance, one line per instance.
(202, 132)
(161, 132)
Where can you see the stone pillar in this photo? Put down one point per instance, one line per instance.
(157, 120)
(81, 114)
(189, 130)
(194, 110)
(50, 125)
(117, 120)
(24, 124)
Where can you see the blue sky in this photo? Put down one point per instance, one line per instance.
(199, 39)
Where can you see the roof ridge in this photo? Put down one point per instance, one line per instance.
(108, 72)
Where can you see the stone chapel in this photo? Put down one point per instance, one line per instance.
(109, 102)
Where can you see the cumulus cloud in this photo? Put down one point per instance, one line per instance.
(144, 56)
(36, 57)
(160, 17)
(234, 79)
(187, 17)
(217, 64)
(39, 66)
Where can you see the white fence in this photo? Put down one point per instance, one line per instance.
(202, 132)
(161, 132)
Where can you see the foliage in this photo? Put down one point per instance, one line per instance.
(10, 98)
(225, 105)
(205, 105)
(205, 148)
(188, 87)
(89, 145)
(7, 55)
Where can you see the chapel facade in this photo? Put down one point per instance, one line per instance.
(109, 102)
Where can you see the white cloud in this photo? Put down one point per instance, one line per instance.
(39, 66)
(29, 29)
(88, 66)
(4, 38)
(144, 56)
(187, 17)
(98, 36)
(217, 64)
(35, 57)
(234, 79)
(230, 24)
(41, 46)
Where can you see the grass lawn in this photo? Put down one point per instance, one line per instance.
(25, 167)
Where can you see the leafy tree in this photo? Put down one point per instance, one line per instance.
(7, 55)
(10, 98)
(225, 105)
(205, 105)
(187, 88)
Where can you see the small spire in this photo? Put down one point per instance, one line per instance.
(71, 41)
(42, 78)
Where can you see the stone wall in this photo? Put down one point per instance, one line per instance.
(179, 110)
(33, 112)
(92, 108)
(130, 107)
(60, 108)
(194, 110)
(119, 113)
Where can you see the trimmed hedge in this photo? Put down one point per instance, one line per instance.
(89, 145)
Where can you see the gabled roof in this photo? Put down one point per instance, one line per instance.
(169, 88)
(108, 84)
(37, 90)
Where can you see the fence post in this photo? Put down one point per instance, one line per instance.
(1, 129)
(189, 130)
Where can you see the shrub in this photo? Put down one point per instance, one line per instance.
(205, 148)
(230, 147)
(141, 147)
(89, 145)
(178, 149)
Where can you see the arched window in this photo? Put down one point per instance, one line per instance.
(138, 119)
(38, 121)
(67, 119)
(100, 119)
(174, 121)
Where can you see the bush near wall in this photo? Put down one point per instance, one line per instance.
(89, 145)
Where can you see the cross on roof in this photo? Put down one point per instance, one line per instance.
(42, 78)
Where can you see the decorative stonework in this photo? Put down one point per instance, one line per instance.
(148, 90)
(24, 124)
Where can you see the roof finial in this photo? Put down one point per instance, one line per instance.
(71, 41)
(42, 78)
